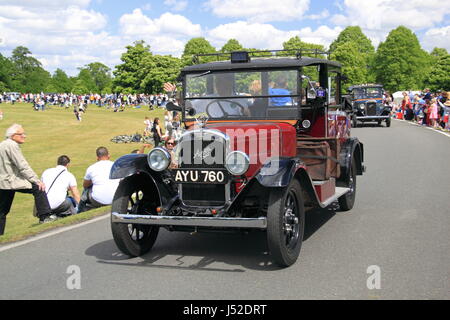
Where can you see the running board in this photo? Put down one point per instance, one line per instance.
(339, 192)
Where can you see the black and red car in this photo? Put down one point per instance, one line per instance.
(266, 139)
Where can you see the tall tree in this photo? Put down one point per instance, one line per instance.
(86, 78)
(363, 47)
(439, 76)
(400, 62)
(353, 63)
(157, 70)
(232, 45)
(6, 69)
(61, 82)
(128, 76)
(28, 74)
(101, 74)
(197, 46)
(309, 48)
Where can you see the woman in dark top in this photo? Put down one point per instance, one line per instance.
(157, 133)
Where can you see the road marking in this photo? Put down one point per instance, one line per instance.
(418, 125)
(51, 233)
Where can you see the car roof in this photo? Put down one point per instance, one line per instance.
(260, 63)
(368, 85)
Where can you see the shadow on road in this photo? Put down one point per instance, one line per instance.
(207, 251)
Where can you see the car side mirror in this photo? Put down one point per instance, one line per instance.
(170, 106)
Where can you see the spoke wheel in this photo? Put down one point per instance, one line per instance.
(347, 201)
(285, 224)
(131, 198)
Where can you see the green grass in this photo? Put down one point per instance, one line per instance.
(55, 132)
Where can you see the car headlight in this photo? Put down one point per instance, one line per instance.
(158, 159)
(362, 105)
(237, 163)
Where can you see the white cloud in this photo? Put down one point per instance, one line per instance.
(437, 37)
(388, 14)
(46, 3)
(138, 24)
(266, 36)
(259, 10)
(176, 5)
(323, 15)
(65, 37)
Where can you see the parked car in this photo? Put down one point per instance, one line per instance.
(265, 140)
(368, 104)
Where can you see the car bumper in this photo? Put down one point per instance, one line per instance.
(372, 117)
(211, 222)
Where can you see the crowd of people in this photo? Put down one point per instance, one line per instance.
(424, 108)
(110, 101)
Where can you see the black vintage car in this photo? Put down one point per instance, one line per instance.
(368, 104)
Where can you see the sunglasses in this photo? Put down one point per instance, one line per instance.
(172, 143)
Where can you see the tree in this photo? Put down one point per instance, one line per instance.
(363, 46)
(28, 74)
(439, 76)
(309, 48)
(400, 62)
(197, 46)
(128, 76)
(60, 82)
(86, 78)
(6, 69)
(101, 75)
(353, 62)
(157, 70)
(232, 45)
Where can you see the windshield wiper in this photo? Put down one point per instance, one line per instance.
(201, 75)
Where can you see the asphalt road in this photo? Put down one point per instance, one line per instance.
(400, 224)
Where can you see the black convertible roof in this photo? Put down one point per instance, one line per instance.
(366, 85)
(259, 63)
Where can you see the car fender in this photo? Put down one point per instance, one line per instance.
(351, 149)
(136, 164)
(278, 172)
(286, 170)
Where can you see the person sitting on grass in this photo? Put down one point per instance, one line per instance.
(58, 181)
(99, 189)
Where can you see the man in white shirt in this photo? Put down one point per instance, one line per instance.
(99, 190)
(57, 182)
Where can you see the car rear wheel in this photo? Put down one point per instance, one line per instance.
(133, 198)
(354, 122)
(347, 201)
(285, 223)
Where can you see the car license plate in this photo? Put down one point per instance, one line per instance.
(201, 176)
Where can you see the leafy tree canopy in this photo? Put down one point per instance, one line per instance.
(400, 62)
(197, 46)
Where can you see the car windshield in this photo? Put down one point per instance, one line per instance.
(364, 93)
(244, 94)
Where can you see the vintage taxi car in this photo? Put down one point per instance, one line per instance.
(368, 104)
(266, 139)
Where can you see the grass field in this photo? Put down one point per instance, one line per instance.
(55, 132)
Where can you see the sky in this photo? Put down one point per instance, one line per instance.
(69, 34)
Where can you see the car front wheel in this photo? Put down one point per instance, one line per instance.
(285, 223)
(132, 198)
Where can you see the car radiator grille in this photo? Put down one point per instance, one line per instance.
(371, 109)
(202, 152)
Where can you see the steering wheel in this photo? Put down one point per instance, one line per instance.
(217, 101)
